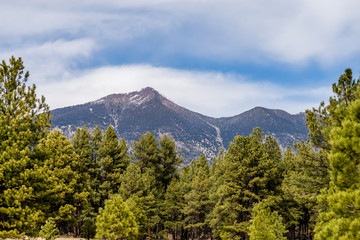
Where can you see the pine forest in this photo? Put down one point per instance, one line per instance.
(92, 187)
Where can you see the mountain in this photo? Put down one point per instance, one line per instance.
(133, 114)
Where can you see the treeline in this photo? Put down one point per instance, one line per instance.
(91, 187)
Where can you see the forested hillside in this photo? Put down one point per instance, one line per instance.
(135, 113)
(91, 187)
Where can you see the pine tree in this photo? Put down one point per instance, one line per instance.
(49, 231)
(311, 163)
(306, 174)
(63, 189)
(116, 221)
(173, 205)
(81, 143)
(320, 121)
(265, 224)
(88, 218)
(197, 200)
(136, 206)
(86, 168)
(24, 120)
(340, 217)
(95, 144)
(95, 198)
(248, 176)
(150, 159)
(114, 160)
(141, 188)
(146, 153)
(169, 161)
(96, 140)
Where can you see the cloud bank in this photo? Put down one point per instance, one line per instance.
(288, 32)
(78, 51)
(211, 93)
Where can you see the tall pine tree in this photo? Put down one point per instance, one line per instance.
(248, 176)
(340, 214)
(24, 120)
(113, 160)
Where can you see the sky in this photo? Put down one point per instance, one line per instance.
(218, 58)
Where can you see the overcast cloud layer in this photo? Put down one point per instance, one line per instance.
(219, 58)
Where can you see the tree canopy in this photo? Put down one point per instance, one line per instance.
(96, 185)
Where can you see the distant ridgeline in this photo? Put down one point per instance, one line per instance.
(89, 187)
(135, 113)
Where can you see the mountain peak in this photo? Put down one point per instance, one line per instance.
(135, 98)
(133, 114)
(148, 90)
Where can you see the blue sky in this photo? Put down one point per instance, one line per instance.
(219, 58)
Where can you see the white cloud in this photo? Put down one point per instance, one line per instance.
(293, 32)
(53, 37)
(52, 60)
(210, 93)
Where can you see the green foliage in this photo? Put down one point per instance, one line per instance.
(24, 120)
(340, 218)
(63, 189)
(96, 139)
(88, 227)
(157, 163)
(141, 188)
(136, 206)
(116, 221)
(169, 161)
(113, 160)
(81, 142)
(248, 176)
(266, 225)
(172, 208)
(49, 231)
(321, 120)
(146, 152)
(309, 171)
(251, 192)
(197, 200)
(306, 174)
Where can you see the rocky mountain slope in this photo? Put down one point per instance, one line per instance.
(135, 113)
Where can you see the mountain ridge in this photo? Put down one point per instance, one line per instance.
(133, 114)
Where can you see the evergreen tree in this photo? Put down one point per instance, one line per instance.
(169, 161)
(248, 177)
(321, 120)
(146, 153)
(197, 200)
(81, 143)
(306, 174)
(96, 140)
(116, 221)
(49, 231)
(340, 217)
(173, 205)
(95, 144)
(63, 189)
(114, 160)
(136, 206)
(161, 161)
(24, 120)
(141, 188)
(95, 200)
(266, 225)
(86, 168)
(311, 163)
(88, 218)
